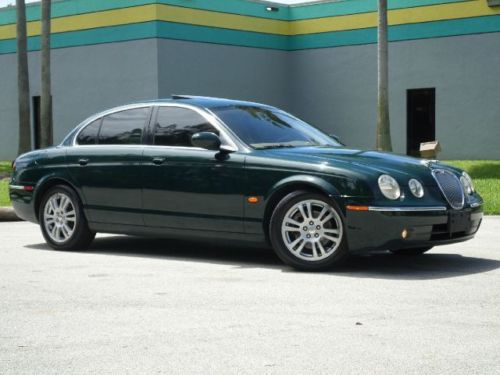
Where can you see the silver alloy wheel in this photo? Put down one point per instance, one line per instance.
(59, 217)
(312, 230)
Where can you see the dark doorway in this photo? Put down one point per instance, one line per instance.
(421, 118)
(36, 122)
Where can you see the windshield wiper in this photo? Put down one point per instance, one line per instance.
(276, 145)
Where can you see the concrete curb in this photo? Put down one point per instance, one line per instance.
(8, 214)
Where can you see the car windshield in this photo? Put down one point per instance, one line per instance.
(270, 128)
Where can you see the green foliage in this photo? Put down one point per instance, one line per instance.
(5, 167)
(5, 170)
(486, 177)
(4, 193)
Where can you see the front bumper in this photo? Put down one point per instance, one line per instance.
(382, 228)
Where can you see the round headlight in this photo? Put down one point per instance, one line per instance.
(416, 188)
(389, 187)
(467, 183)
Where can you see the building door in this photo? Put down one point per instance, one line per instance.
(421, 118)
(36, 122)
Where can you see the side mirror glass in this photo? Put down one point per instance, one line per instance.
(206, 140)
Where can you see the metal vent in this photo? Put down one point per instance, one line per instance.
(450, 186)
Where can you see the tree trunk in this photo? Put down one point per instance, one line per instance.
(23, 85)
(46, 95)
(383, 123)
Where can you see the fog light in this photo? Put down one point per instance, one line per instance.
(404, 234)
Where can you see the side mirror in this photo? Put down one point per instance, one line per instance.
(336, 138)
(206, 140)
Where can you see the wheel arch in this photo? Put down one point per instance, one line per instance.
(47, 183)
(295, 183)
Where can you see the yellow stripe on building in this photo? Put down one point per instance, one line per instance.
(222, 20)
(199, 17)
(88, 21)
(154, 12)
(440, 12)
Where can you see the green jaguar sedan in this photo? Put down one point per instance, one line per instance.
(208, 168)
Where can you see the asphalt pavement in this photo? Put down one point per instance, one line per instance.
(134, 305)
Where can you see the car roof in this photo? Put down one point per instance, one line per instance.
(206, 101)
(197, 101)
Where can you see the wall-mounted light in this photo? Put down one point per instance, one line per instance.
(272, 9)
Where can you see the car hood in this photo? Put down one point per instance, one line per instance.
(366, 162)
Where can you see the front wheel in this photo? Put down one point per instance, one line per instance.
(411, 251)
(62, 221)
(307, 231)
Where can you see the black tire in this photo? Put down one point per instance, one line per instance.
(278, 242)
(81, 236)
(412, 251)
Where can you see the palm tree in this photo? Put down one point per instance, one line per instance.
(46, 96)
(23, 85)
(383, 123)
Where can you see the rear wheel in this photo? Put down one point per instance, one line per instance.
(61, 218)
(307, 232)
(412, 251)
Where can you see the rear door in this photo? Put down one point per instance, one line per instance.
(106, 163)
(186, 187)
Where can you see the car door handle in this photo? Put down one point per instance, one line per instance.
(83, 161)
(159, 160)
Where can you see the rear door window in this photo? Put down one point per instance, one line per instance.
(124, 127)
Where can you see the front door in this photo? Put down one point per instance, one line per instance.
(107, 165)
(189, 188)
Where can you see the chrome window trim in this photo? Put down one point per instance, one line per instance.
(146, 145)
(407, 209)
(233, 134)
(99, 115)
(207, 115)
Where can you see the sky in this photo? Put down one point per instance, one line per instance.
(7, 2)
(4, 3)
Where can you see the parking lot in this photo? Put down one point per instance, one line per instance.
(132, 305)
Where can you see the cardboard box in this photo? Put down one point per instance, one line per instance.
(429, 150)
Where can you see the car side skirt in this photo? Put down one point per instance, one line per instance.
(177, 233)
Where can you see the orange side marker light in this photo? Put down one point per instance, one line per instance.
(351, 207)
(253, 200)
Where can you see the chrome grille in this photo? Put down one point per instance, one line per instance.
(450, 186)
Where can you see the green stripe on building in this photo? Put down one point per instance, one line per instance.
(341, 8)
(207, 34)
(154, 29)
(424, 30)
(74, 7)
